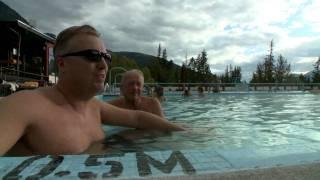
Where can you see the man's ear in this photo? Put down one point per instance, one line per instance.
(60, 62)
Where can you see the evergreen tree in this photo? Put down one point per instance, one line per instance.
(202, 67)
(147, 75)
(226, 75)
(302, 78)
(192, 64)
(254, 78)
(267, 72)
(236, 74)
(282, 69)
(232, 75)
(316, 71)
(269, 65)
(191, 69)
(259, 76)
(183, 74)
(159, 51)
(164, 54)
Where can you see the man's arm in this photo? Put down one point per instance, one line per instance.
(12, 123)
(116, 102)
(136, 119)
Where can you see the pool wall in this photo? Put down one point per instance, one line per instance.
(157, 164)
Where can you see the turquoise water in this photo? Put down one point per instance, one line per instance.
(230, 121)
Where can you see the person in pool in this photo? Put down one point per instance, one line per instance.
(200, 91)
(186, 92)
(158, 93)
(131, 87)
(66, 118)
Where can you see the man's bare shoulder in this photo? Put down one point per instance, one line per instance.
(117, 102)
(21, 96)
(25, 101)
(150, 100)
(19, 106)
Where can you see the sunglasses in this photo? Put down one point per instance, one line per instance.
(91, 55)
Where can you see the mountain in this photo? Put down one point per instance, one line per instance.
(9, 14)
(141, 59)
(309, 75)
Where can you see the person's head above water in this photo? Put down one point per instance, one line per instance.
(132, 84)
(131, 87)
(159, 91)
(82, 58)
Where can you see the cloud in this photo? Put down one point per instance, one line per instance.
(52, 16)
(309, 48)
(311, 16)
(231, 31)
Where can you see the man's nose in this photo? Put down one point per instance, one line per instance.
(136, 86)
(102, 64)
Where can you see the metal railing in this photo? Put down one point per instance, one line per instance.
(16, 75)
(232, 87)
(112, 87)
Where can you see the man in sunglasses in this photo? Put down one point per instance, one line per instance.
(66, 118)
(131, 88)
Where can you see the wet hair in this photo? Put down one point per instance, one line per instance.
(64, 37)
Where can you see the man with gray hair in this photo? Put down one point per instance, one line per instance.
(131, 88)
(66, 118)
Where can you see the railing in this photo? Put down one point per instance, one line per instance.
(15, 75)
(232, 87)
(112, 87)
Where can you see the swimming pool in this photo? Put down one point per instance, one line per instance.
(246, 121)
(230, 136)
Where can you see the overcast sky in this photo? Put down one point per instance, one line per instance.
(234, 31)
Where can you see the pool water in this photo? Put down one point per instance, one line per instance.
(245, 121)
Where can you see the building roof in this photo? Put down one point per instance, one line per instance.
(9, 14)
(35, 31)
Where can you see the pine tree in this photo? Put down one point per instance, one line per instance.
(302, 78)
(269, 65)
(159, 51)
(282, 69)
(260, 73)
(316, 71)
(226, 75)
(183, 73)
(317, 65)
(164, 54)
(192, 64)
(265, 72)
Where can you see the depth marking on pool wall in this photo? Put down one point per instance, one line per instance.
(144, 160)
(114, 168)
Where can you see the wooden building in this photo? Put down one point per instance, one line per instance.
(25, 52)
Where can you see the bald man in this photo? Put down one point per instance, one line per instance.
(131, 88)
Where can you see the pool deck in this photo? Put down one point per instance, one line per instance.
(280, 162)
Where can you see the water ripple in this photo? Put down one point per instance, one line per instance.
(230, 121)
